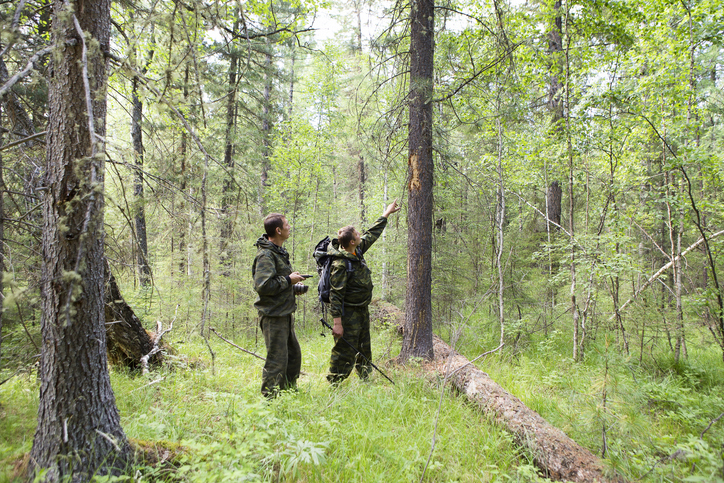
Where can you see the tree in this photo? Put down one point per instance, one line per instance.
(78, 433)
(2, 234)
(418, 303)
(227, 199)
(144, 269)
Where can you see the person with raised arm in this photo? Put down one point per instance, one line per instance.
(349, 297)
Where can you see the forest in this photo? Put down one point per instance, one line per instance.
(548, 303)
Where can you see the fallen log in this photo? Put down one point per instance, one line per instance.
(126, 339)
(558, 456)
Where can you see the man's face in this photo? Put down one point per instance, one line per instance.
(285, 230)
(357, 238)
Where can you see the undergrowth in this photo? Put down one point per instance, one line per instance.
(207, 421)
(652, 421)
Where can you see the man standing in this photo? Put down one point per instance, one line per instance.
(349, 297)
(273, 282)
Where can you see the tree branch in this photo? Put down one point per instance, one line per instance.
(231, 343)
(156, 341)
(25, 140)
(28, 67)
(663, 269)
(711, 423)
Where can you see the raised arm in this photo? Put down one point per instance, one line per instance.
(374, 232)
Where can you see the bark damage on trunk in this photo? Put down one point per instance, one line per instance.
(558, 456)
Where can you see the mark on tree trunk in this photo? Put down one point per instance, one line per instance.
(414, 164)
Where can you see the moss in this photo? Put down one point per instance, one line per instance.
(155, 453)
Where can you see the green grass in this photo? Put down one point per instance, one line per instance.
(213, 425)
(18, 415)
(650, 413)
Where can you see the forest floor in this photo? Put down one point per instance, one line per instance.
(205, 422)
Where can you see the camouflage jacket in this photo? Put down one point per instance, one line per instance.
(352, 288)
(271, 271)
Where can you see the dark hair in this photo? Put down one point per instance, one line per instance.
(272, 221)
(346, 235)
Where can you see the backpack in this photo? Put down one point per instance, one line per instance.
(324, 268)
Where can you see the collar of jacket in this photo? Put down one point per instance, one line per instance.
(263, 242)
(336, 250)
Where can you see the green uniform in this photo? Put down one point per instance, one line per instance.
(349, 297)
(276, 305)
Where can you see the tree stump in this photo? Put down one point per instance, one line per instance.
(127, 340)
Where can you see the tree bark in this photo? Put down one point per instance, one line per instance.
(144, 270)
(362, 179)
(79, 432)
(554, 191)
(265, 132)
(500, 222)
(417, 340)
(579, 331)
(554, 195)
(555, 48)
(227, 190)
(290, 111)
(2, 235)
(558, 456)
(385, 268)
(184, 265)
(206, 264)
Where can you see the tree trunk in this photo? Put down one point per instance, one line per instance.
(2, 234)
(385, 268)
(554, 195)
(358, 30)
(79, 432)
(558, 456)
(265, 132)
(554, 191)
(555, 48)
(291, 86)
(362, 179)
(500, 219)
(227, 190)
(680, 335)
(418, 323)
(183, 265)
(674, 246)
(206, 264)
(127, 340)
(144, 270)
(579, 332)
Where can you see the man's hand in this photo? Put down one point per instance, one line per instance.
(295, 277)
(391, 208)
(337, 330)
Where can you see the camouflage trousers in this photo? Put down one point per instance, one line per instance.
(283, 355)
(356, 325)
